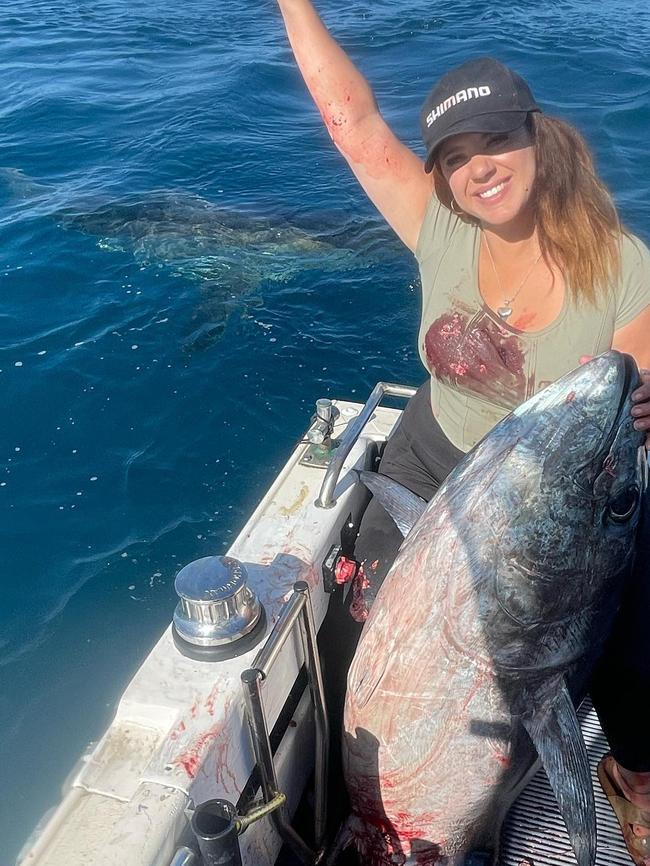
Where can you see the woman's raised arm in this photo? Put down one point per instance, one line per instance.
(390, 173)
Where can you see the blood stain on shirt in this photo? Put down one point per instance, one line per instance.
(478, 356)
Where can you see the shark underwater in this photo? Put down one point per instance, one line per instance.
(482, 638)
(200, 240)
(231, 254)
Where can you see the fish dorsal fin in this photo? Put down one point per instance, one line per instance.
(557, 737)
(403, 506)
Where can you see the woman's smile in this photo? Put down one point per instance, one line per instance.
(492, 191)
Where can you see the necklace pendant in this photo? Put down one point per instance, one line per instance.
(504, 312)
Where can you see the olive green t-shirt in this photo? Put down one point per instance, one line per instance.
(481, 367)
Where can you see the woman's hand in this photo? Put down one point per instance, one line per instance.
(633, 339)
(641, 408)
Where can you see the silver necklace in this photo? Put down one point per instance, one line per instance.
(505, 310)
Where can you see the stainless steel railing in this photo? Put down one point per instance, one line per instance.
(352, 433)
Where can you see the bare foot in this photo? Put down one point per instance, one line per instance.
(636, 788)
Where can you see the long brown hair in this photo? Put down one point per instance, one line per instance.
(577, 221)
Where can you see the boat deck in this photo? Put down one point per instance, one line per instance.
(534, 832)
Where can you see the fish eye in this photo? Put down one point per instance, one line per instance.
(622, 507)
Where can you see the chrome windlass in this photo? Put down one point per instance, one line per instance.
(217, 609)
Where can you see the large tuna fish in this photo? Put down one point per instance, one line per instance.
(483, 635)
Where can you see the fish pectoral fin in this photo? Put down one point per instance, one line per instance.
(402, 505)
(557, 737)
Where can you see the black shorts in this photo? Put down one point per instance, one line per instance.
(419, 456)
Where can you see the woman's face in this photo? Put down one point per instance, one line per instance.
(491, 175)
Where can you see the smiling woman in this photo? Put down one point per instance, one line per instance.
(525, 269)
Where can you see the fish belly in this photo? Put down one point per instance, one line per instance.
(428, 734)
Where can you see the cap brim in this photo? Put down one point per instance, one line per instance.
(503, 121)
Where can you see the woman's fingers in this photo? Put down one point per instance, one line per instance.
(642, 395)
(641, 409)
(641, 415)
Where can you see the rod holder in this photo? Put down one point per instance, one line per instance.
(215, 826)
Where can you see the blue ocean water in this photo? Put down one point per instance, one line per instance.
(185, 266)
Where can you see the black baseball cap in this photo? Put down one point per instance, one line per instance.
(481, 95)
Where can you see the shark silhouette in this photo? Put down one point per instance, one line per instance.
(232, 255)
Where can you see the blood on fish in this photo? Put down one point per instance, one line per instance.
(403, 823)
(503, 759)
(570, 397)
(392, 835)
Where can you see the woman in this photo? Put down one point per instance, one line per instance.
(525, 272)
